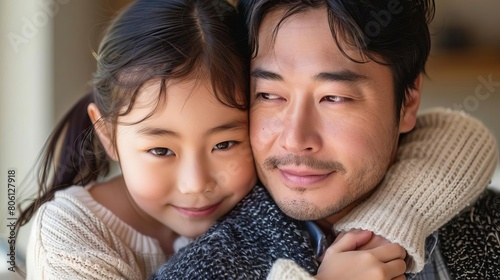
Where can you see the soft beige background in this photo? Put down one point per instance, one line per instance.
(41, 77)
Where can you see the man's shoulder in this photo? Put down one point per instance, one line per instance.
(257, 203)
(256, 226)
(244, 244)
(470, 242)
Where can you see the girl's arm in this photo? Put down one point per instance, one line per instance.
(342, 261)
(441, 167)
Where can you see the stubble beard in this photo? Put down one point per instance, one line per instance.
(306, 211)
(357, 188)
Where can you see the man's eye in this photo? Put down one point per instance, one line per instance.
(161, 152)
(268, 96)
(334, 98)
(224, 145)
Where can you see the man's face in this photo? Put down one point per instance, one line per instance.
(323, 128)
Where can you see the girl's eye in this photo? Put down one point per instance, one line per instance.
(334, 98)
(161, 152)
(224, 145)
(268, 96)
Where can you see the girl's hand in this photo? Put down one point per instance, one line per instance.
(373, 242)
(362, 255)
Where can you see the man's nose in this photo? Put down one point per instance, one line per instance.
(300, 129)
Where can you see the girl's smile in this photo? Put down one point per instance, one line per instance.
(198, 212)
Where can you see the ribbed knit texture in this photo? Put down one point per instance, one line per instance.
(441, 167)
(74, 237)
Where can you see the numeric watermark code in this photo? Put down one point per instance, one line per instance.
(11, 218)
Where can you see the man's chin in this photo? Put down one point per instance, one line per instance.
(301, 210)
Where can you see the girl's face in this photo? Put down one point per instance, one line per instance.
(189, 163)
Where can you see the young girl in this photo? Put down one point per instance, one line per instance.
(169, 105)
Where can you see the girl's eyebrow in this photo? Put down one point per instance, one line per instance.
(158, 132)
(232, 125)
(155, 131)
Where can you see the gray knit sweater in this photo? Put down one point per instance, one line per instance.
(244, 244)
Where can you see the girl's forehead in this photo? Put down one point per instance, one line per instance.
(154, 91)
(188, 110)
(177, 96)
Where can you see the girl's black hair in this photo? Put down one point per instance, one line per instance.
(149, 40)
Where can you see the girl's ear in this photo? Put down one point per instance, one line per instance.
(409, 110)
(102, 131)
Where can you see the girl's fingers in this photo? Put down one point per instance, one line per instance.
(395, 269)
(400, 277)
(350, 241)
(339, 236)
(374, 242)
(389, 252)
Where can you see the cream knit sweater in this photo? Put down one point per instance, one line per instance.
(441, 167)
(74, 237)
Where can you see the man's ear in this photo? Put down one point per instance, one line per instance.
(102, 130)
(409, 110)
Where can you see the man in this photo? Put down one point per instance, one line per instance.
(334, 86)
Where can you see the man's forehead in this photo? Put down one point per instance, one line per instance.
(278, 23)
(309, 28)
(304, 18)
(289, 36)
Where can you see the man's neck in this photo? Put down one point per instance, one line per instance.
(331, 220)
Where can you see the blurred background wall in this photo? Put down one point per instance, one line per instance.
(46, 64)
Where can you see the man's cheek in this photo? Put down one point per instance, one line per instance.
(264, 131)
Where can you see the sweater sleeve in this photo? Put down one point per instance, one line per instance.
(441, 167)
(284, 269)
(67, 242)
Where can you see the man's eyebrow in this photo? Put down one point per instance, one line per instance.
(341, 76)
(260, 73)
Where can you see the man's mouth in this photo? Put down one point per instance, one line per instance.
(302, 176)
